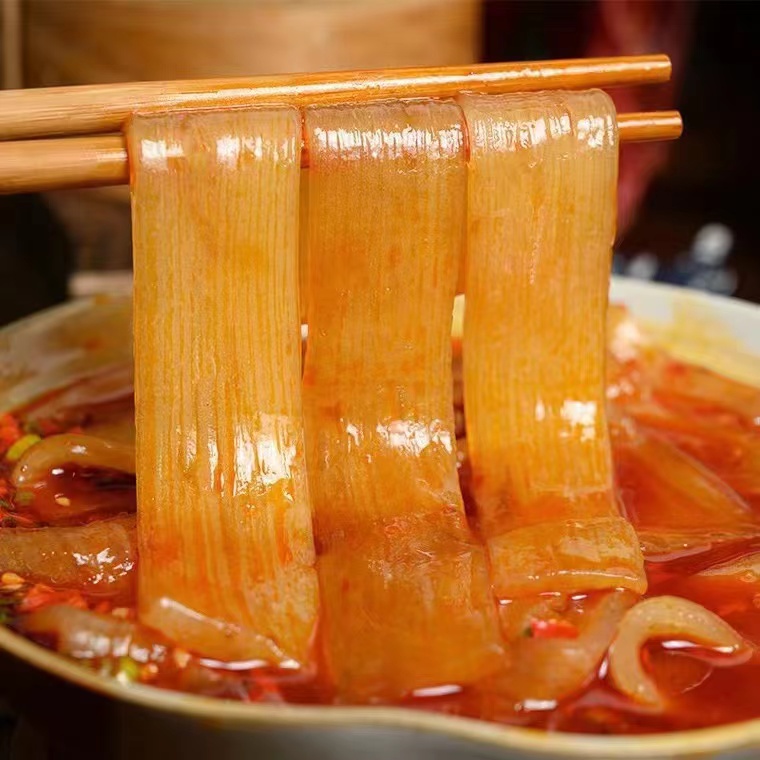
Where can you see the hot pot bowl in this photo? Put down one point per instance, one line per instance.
(65, 709)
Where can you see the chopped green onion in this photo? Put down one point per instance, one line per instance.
(24, 498)
(128, 670)
(16, 451)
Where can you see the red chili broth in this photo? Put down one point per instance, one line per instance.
(711, 695)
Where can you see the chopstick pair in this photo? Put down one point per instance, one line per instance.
(80, 155)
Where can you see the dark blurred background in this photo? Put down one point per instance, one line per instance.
(78, 242)
(668, 192)
(711, 174)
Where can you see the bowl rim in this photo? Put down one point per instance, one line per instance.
(255, 716)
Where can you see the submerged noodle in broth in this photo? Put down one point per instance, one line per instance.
(539, 524)
(712, 566)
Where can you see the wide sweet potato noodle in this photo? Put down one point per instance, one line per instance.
(308, 490)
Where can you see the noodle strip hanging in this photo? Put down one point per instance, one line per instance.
(542, 188)
(405, 593)
(224, 522)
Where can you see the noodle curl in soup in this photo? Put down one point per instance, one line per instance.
(689, 659)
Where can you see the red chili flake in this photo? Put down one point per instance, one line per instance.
(40, 596)
(553, 629)
(265, 689)
(148, 672)
(676, 368)
(48, 426)
(10, 519)
(9, 434)
(8, 420)
(646, 659)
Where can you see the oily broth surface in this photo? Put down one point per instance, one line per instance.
(699, 692)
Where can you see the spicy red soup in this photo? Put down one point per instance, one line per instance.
(686, 449)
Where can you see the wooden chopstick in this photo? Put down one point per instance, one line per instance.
(101, 160)
(91, 109)
(98, 160)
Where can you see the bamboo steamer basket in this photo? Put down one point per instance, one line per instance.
(65, 42)
(92, 41)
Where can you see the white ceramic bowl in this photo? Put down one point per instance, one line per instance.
(105, 719)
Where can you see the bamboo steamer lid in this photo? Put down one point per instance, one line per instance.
(67, 42)
(89, 41)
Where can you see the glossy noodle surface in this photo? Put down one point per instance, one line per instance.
(224, 530)
(537, 275)
(406, 600)
(708, 565)
(562, 534)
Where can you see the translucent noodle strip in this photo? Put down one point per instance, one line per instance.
(88, 635)
(664, 545)
(98, 558)
(67, 449)
(542, 190)
(303, 245)
(675, 503)
(602, 552)
(552, 668)
(729, 588)
(709, 417)
(405, 593)
(728, 449)
(668, 617)
(665, 489)
(225, 538)
(690, 388)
